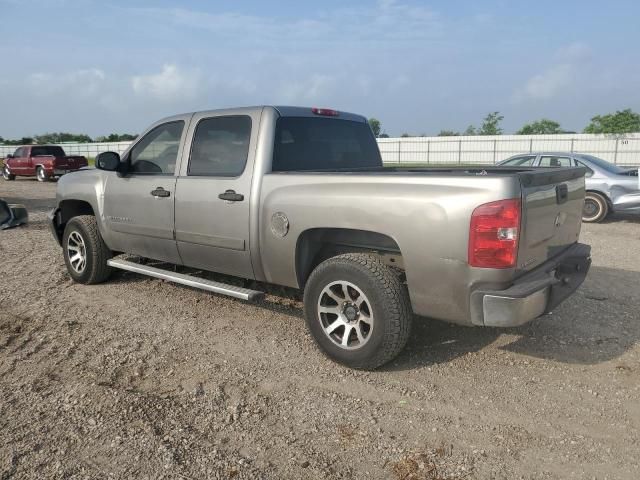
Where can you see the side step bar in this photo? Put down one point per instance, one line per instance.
(189, 280)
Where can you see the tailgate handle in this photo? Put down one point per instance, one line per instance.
(562, 193)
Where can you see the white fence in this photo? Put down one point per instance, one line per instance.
(619, 149)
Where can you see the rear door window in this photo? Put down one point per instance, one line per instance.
(220, 146)
(553, 161)
(589, 171)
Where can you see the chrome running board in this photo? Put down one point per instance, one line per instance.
(188, 280)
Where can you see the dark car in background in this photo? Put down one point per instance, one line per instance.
(610, 188)
(41, 161)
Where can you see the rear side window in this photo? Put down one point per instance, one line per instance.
(44, 151)
(309, 143)
(552, 161)
(589, 172)
(525, 161)
(157, 152)
(220, 146)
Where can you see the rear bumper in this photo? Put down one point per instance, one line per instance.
(535, 293)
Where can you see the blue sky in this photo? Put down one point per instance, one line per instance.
(116, 66)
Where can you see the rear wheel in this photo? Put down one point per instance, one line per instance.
(85, 252)
(6, 174)
(357, 310)
(41, 174)
(595, 208)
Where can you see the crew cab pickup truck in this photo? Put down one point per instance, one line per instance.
(299, 197)
(42, 161)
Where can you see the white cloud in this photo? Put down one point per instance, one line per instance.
(387, 20)
(317, 87)
(83, 82)
(559, 78)
(574, 52)
(547, 84)
(170, 84)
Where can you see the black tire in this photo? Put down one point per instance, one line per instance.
(6, 175)
(595, 208)
(41, 175)
(96, 252)
(390, 309)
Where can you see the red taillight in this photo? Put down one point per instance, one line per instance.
(326, 112)
(493, 234)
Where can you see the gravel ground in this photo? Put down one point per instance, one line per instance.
(137, 378)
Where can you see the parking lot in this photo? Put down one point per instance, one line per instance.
(137, 378)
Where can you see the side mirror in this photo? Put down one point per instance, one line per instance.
(109, 161)
(9, 155)
(12, 215)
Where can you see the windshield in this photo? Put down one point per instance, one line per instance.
(44, 151)
(310, 143)
(603, 164)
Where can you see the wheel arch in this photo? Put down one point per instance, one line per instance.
(67, 209)
(602, 194)
(315, 245)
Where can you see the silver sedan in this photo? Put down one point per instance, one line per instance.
(610, 188)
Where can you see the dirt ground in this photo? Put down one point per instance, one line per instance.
(137, 378)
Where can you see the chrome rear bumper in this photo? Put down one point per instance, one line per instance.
(535, 293)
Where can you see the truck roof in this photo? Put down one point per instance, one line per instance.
(283, 110)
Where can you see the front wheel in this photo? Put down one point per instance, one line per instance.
(357, 310)
(595, 208)
(85, 252)
(6, 174)
(41, 174)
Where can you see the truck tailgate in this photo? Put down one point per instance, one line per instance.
(552, 200)
(70, 162)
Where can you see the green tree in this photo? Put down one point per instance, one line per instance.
(61, 137)
(384, 135)
(117, 137)
(448, 133)
(540, 127)
(491, 124)
(405, 135)
(375, 125)
(622, 121)
(471, 130)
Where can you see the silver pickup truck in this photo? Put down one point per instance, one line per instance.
(299, 197)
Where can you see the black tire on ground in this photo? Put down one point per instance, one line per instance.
(595, 209)
(83, 230)
(386, 300)
(41, 175)
(6, 175)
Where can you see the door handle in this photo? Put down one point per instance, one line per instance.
(160, 192)
(562, 193)
(231, 196)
